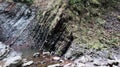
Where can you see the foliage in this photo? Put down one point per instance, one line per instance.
(91, 22)
(87, 5)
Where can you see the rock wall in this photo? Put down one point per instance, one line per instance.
(51, 30)
(24, 26)
(16, 23)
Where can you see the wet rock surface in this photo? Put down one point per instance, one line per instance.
(9, 57)
(23, 30)
(4, 50)
(15, 22)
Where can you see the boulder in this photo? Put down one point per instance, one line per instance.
(10, 57)
(13, 61)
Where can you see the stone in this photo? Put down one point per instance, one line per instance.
(75, 50)
(27, 63)
(61, 61)
(85, 59)
(42, 62)
(46, 53)
(13, 61)
(52, 53)
(67, 65)
(4, 50)
(96, 64)
(36, 54)
(115, 66)
(24, 60)
(113, 62)
(10, 57)
(56, 58)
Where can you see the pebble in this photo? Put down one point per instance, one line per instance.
(61, 61)
(56, 58)
(24, 60)
(46, 53)
(67, 65)
(36, 54)
(42, 62)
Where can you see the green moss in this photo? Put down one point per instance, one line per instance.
(100, 21)
(59, 53)
(91, 24)
(97, 45)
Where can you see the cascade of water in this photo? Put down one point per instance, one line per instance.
(22, 28)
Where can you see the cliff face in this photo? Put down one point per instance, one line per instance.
(16, 22)
(52, 33)
(52, 25)
(23, 26)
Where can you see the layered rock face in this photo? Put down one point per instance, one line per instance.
(16, 21)
(52, 28)
(24, 26)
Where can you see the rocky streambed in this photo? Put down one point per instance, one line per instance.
(91, 58)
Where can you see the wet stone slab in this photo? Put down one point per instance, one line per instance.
(16, 23)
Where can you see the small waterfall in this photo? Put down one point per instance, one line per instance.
(24, 27)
